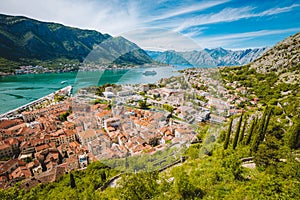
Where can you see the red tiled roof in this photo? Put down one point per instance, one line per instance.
(21, 171)
(103, 113)
(9, 123)
(7, 165)
(12, 141)
(42, 147)
(4, 146)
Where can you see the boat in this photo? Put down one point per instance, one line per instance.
(150, 73)
(63, 82)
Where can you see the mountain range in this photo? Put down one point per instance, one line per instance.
(207, 57)
(28, 41)
(22, 38)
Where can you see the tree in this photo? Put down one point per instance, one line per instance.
(260, 134)
(58, 98)
(243, 130)
(233, 164)
(143, 104)
(236, 136)
(139, 186)
(154, 141)
(182, 186)
(168, 107)
(251, 129)
(103, 176)
(72, 181)
(293, 135)
(266, 124)
(63, 116)
(10, 193)
(268, 153)
(226, 143)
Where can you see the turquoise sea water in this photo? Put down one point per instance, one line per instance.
(21, 89)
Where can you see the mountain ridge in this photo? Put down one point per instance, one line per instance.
(282, 59)
(23, 38)
(208, 57)
(285, 54)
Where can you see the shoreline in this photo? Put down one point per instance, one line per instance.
(12, 114)
(58, 71)
(14, 109)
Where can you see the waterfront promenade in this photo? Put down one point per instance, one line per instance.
(16, 113)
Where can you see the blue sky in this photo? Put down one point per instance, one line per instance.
(179, 25)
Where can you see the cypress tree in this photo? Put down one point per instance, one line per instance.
(226, 143)
(260, 134)
(103, 176)
(72, 181)
(293, 136)
(236, 136)
(252, 126)
(243, 130)
(266, 124)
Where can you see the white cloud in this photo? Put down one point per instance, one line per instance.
(161, 39)
(275, 11)
(110, 17)
(232, 39)
(230, 14)
(226, 15)
(255, 34)
(188, 9)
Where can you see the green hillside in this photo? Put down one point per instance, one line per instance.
(25, 41)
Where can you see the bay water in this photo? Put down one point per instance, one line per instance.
(18, 90)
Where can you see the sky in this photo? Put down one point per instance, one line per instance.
(172, 25)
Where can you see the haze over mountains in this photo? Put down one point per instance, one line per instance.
(208, 57)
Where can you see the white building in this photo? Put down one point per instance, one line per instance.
(83, 160)
(124, 93)
(108, 94)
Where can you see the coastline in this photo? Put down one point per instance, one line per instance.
(15, 112)
(17, 89)
(81, 68)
